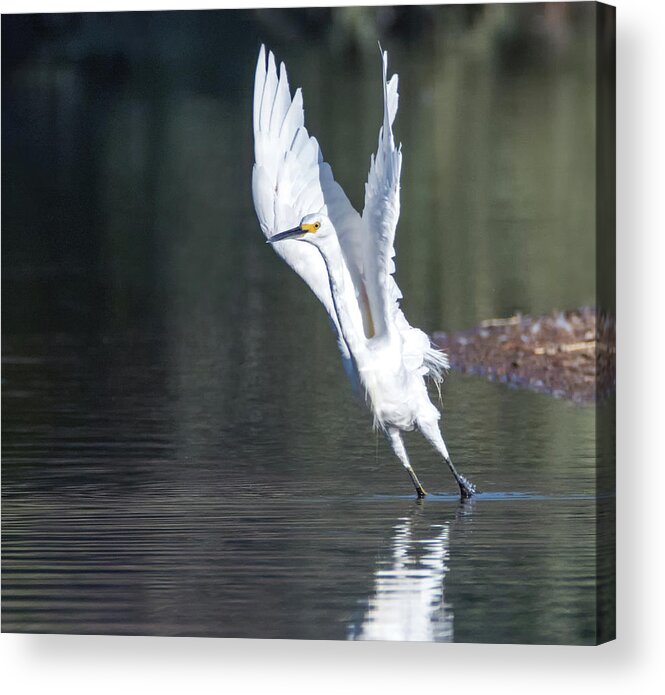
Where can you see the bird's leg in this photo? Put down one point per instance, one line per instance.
(395, 439)
(431, 432)
(466, 487)
(420, 490)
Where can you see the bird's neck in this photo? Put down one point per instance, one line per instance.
(344, 298)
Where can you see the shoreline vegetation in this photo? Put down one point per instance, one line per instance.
(567, 354)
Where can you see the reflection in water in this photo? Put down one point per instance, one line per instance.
(409, 588)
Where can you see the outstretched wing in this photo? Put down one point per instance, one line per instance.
(290, 178)
(381, 213)
(380, 216)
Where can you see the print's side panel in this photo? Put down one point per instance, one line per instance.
(606, 312)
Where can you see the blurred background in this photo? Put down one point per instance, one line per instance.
(127, 155)
(181, 453)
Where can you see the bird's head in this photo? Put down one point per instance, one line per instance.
(314, 229)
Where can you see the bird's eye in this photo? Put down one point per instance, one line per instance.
(317, 225)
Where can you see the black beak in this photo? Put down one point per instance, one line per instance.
(288, 234)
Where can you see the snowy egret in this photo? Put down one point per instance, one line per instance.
(346, 258)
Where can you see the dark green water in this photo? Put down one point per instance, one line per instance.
(181, 452)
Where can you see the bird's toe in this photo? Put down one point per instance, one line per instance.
(467, 488)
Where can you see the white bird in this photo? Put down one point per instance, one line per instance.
(347, 258)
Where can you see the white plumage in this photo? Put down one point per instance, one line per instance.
(347, 259)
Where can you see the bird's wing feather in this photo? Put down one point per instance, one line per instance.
(290, 179)
(381, 213)
(380, 216)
